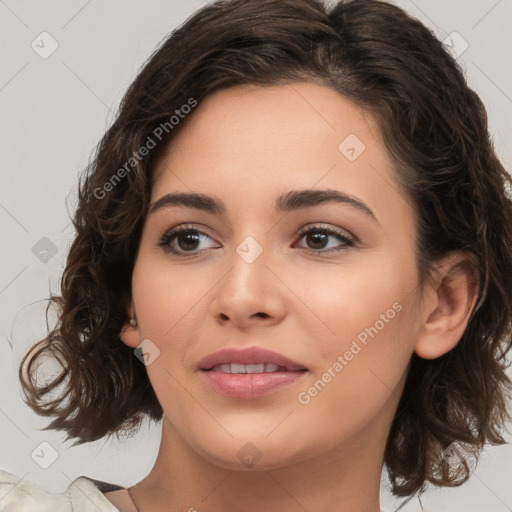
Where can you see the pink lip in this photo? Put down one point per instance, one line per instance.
(249, 385)
(251, 355)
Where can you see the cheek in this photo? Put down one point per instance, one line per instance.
(167, 298)
(368, 340)
(368, 300)
(358, 383)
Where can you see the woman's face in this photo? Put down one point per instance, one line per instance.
(331, 285)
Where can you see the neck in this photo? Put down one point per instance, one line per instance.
(346, 479)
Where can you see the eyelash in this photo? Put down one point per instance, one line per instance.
(168, 237)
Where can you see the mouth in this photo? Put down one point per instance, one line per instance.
(249, 373)
(248, 360)
(248, 368)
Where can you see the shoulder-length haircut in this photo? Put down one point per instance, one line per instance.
(435, 128)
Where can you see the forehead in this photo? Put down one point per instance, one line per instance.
(278, 124)
(249, 144)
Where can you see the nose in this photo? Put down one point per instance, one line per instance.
(250, 293)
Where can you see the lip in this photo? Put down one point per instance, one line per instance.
(250, 355)
(249, 385)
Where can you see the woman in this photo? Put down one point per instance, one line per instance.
(294, 246)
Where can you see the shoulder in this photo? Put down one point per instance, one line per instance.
(18, 494)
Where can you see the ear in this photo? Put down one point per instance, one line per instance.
(449, 300)
(130, 334)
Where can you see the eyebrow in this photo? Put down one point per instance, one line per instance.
(293, 200)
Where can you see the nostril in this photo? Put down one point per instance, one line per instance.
(262, 315)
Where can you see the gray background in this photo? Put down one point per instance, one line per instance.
(54, 111)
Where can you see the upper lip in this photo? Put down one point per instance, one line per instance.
(251, 355)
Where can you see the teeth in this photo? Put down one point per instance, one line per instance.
(255, 368)
(238, 368)
(247, 368)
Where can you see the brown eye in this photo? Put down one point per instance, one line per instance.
(317, 239)
(187, 240)
(183, 240)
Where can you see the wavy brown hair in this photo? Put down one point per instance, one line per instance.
(436, 132)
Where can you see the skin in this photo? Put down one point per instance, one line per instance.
(246, 145)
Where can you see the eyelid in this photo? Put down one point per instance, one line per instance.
(345, 237)
(328, 227)
(184, 228)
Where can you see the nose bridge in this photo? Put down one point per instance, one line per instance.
(248, 268)
(249, 288)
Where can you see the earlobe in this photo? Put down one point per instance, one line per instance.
(454, 293)
(130, 332)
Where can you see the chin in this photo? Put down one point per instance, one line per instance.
(250, 458)
(252, 454)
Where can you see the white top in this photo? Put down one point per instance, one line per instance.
(84, 494)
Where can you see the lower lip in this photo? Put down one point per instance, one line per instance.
(250, 385)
